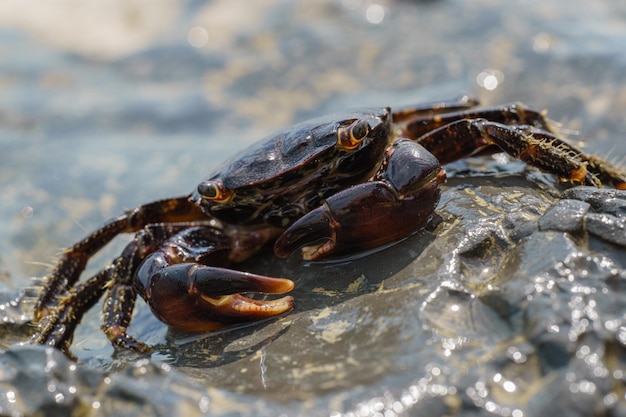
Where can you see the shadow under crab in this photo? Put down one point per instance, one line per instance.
(333, 186)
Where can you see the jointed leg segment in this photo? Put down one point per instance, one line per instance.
(521, 132)
(165, 264)
(74, 259)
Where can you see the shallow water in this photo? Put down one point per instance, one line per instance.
(105, 107)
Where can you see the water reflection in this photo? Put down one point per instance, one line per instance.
(490, 79)
(375, 13)
(197, 36)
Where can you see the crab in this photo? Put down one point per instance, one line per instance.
(330, 187)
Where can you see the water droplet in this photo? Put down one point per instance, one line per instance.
(490, 79)
(27, 212)
(509, 386)
(542, 43)
(375, 14)
(197, 36)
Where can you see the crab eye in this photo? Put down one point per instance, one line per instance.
(351, 136)
(214, 191)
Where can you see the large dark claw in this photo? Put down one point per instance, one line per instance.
(361, 218)
(315, 231)
(373, 214)
(193, 297)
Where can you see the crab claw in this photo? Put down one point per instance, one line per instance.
(313, 233)
(372, 214)
(360, 218)
(193, 297)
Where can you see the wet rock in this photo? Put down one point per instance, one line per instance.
(607, 220)
(608, 227)
(37, 380)
(602, 200)
(565, 216)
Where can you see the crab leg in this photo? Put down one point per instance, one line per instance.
(532, 145)
(422, 123)
(162, 264)
(426, 111)
(57, 327)
(518, 130)
(397, 202)
(120, 298)
(74, 259)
